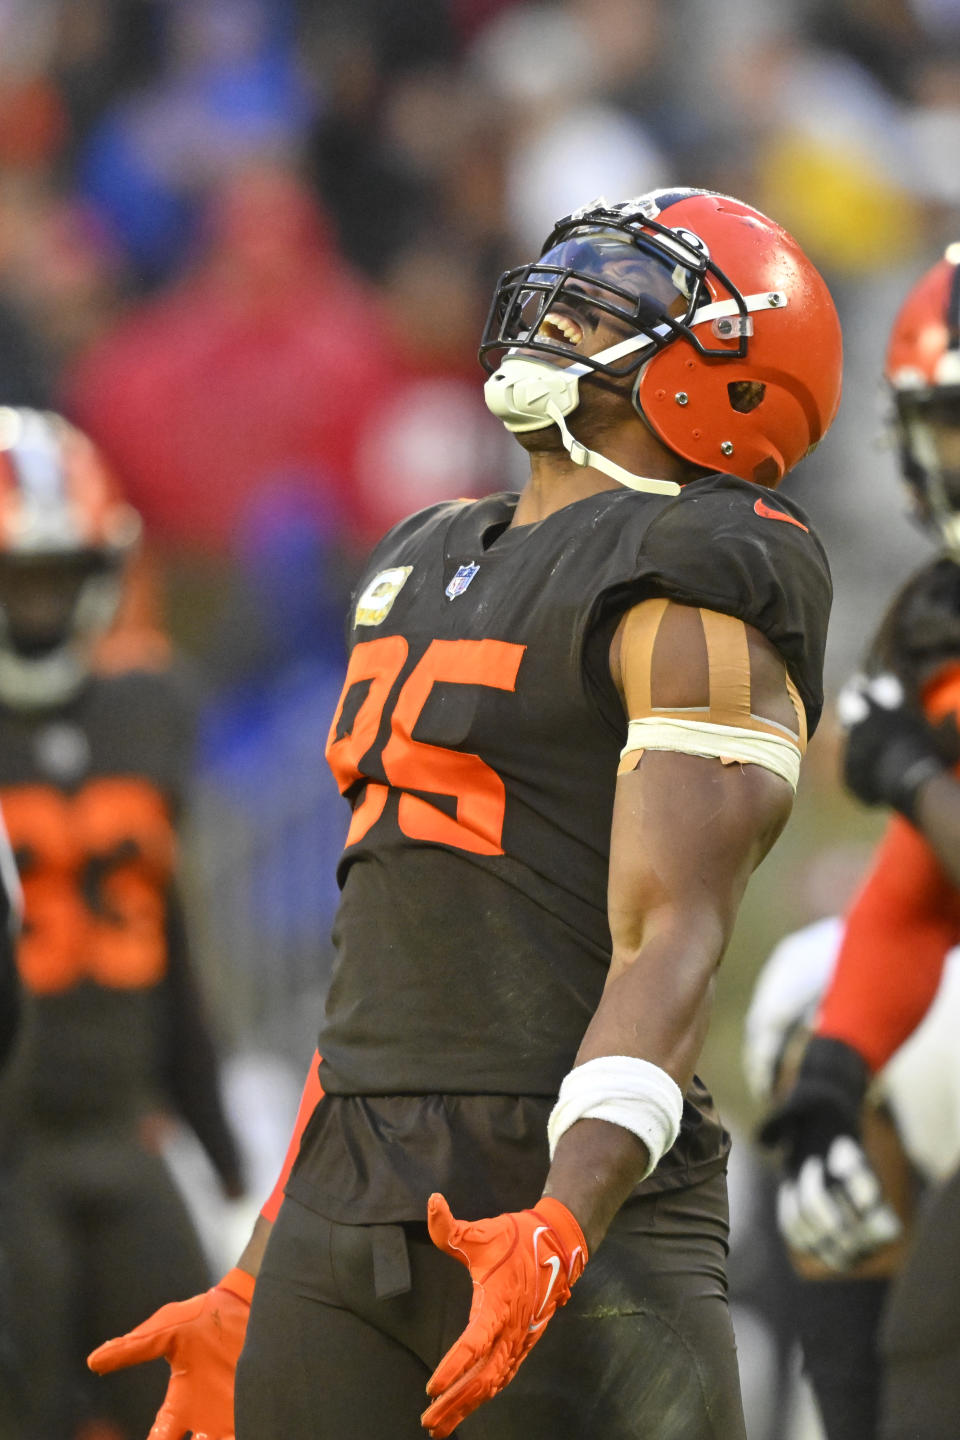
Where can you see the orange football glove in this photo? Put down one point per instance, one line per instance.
(522, 1265)
(201, 1339)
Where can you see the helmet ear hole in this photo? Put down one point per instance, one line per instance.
(767, 473)
(745, 395)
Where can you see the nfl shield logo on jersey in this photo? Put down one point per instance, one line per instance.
(461, 580)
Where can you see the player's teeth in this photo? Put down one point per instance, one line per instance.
(569, 329)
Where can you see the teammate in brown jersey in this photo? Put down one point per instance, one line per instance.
(92, 769)
(571, 727)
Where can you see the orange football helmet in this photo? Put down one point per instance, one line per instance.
(923, 371)
(65, 536)
(733, 334)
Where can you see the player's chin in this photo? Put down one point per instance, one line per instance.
(540, 441)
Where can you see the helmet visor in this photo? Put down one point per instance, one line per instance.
(929, 424)
(39, 597)
(584, 295)
(928, 427)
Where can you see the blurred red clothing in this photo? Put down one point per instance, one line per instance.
(256, 369)
(430, 436)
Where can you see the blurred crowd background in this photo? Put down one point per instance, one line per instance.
(248, 245)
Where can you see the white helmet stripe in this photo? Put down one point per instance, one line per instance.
(764, 300)
(36, 459)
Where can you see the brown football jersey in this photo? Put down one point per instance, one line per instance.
(477, 741)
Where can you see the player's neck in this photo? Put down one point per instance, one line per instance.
(556, 482)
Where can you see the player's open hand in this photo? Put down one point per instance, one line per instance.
(522, 1265)
(201, 1339)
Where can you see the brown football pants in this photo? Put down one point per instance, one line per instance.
(644, 1348)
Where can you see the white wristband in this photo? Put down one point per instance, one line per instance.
(623, 1090)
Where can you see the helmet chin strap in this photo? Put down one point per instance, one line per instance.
(531, 394)
(581, 455)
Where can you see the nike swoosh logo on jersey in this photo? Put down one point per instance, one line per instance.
(765, 512)
(554, 1264)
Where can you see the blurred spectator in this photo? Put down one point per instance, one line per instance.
(574, 116)
(228, 93)
(377, 407)
(829, 153)
(252, 368)
(364, 55)
(883, 36)
(103, 49)
(69, 277)
(429, 436)
(33, 119)
(559, 53)
(583, 151)
(424, 155)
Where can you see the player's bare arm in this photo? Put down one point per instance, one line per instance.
(688, 831)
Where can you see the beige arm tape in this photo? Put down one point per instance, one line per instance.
(639, 636)
(730, 744)
(726, 728)
(800, 713)
(728, 664)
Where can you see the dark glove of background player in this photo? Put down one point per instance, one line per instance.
(891, 750)
(831, 1204)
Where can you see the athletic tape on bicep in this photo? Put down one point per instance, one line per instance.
(726, 727)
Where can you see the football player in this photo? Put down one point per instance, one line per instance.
(571, 725)
(92, 768)
(901, 751)
(909, 1127)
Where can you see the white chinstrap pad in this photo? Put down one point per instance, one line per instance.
(717, 742)
(626, 1091)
